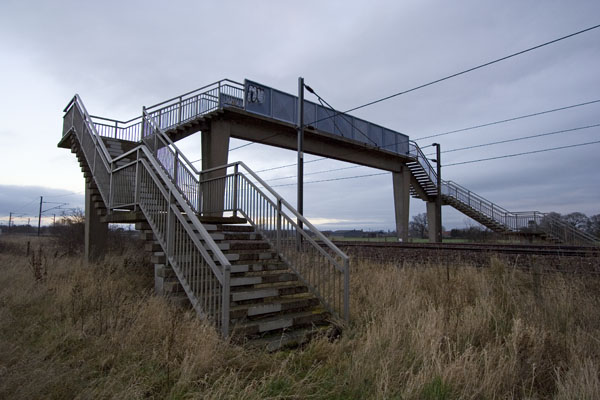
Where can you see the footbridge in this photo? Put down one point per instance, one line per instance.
(221, 237)
(258, 113)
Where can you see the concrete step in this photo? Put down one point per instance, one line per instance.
(152, 247)
(277, 305)
(279, 322)
(258, 279)
(237, 256)
(158, 258)
(274, 290)
(288, 339)
(272, 265)
(244, 245)
(236, 236)
(142, 226)
(147, 235)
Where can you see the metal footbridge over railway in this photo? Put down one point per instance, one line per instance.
(249, 272)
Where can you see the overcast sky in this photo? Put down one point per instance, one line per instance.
(120, 56)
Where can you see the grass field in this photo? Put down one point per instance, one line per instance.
(90, 332)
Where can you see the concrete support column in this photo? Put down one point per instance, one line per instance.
(431, 221)
(401, 185)
(215, 151)
(435, 233)
(96, 231)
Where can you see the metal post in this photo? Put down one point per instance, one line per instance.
(180, 107)
(278, 243)
(438, 199)
(40, 216)
(175, 167)
(225, 301)
(347, 290)
(219, 105)
(300, 150)
(137, 181)
(235, 190)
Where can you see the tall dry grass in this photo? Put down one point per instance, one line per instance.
(488, 333)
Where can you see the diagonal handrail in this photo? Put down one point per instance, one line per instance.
(319, 263)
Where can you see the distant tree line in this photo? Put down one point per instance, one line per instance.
(589, 225)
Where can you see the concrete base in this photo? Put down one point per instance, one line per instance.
(159, 279)
(96, 231)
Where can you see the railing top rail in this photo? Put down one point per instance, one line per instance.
(107, 159)
(194, 91)
(286, 204)
(116, 120)
(478, 197)
(301, 231)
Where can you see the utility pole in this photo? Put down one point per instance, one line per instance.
(300, 204)
(9, 220)
(438, 198)
(40, 216)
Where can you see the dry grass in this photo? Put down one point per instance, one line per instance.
(493, 333)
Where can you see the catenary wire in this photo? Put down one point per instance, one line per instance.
(507, 120)
(465, 71)
(517, 139)
(523, 153)
(448, 165)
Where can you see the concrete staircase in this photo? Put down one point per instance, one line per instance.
(271, 307)
(224, 268)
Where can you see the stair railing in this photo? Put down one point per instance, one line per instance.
(321, 265)
(415, 151)
(497, 217)
(178, 110)
(201, 267)
(525, 221)
(481, 205)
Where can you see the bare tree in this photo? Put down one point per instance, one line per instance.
(418, 226)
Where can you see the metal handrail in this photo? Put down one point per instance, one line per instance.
(423, 161)
(196, 231)
(194, 91)
(299, 216)
(268, 216)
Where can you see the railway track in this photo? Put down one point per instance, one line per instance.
(545, 250)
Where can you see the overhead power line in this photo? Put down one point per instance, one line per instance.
(335, 179)
(518, 139)
(448, 165)
(315, 173)
(522, 154)
(508, 120)
(465, 71)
